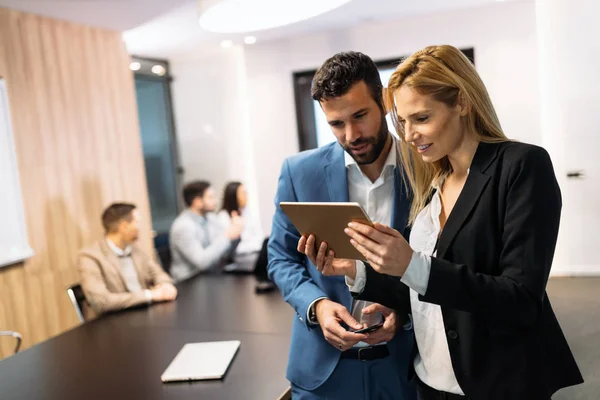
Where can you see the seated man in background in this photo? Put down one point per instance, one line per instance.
(115, 273)
(198, 241)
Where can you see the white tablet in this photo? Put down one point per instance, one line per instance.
(201, 361)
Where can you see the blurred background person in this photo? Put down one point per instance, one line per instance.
(245, 254)
(198, 241)
(115, 273)
(250, 255)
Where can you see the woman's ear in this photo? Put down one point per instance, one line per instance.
(464, 104)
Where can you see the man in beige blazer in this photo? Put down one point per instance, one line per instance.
(115, 273)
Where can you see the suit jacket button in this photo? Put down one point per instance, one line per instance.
(452, 334)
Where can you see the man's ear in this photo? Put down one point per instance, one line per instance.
(119, 227)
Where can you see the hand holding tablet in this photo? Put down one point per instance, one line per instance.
(327, 221)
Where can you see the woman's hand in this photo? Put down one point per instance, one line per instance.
(384, 248)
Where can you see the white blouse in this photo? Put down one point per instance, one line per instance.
(432, 363)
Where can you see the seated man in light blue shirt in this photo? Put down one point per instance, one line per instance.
(198, 242)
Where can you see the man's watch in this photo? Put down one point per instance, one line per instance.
(312, 314)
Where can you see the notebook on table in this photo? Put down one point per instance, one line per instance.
(201, 361)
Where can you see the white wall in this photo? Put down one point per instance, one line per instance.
(247, 96)
(538, 61)
(569, 51)
(211, 119)
(504, 38)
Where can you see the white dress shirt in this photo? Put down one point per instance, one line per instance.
(198, 243)
(246, 253)
(252, 236)
(132, 280)
(432, 363)
(377, 199)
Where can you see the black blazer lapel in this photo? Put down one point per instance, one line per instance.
(476, 183)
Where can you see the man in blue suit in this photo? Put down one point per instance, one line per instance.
(326, 360)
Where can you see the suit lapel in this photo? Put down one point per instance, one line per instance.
(470, 194)
(138, 260)
(113, 261)
(337, 185)
(401, 205)
(335, 175)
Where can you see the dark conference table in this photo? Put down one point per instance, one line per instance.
(122, 356)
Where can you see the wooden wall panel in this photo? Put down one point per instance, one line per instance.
(76, 133)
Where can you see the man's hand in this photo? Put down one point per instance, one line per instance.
(330, 315)
(325, 260)
(236, 226)
(163, 292)
(389, 328)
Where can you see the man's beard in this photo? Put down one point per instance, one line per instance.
(378, 144)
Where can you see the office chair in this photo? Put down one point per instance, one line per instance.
(163, 250)
(78, 300)
(15, 335)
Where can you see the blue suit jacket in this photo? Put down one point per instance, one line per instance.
(318, 176)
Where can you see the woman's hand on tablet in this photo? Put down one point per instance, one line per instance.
(384, 248)
(324, 259)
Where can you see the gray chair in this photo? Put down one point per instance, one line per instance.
(78, 301)
(15, 335)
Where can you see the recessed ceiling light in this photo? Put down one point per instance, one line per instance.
(234, 16)
(226, 44)
(135, 66)
(250, 39)
(158, 70)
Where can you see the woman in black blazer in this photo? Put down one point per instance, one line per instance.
(485, 217)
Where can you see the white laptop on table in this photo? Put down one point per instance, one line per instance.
(201, 361)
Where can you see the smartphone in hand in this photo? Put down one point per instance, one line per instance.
(369, 329)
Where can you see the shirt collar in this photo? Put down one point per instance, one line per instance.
(200, 219)
(120, 253)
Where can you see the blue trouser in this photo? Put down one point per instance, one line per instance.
(361, 380)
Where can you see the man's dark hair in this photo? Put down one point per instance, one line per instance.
(230, 200)
(339, 73)
(193, 190)
(114, 214)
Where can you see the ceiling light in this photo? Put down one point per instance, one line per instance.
(135, 66)
(226, 44)
(234, 16)
(158, 70)
(250, 39)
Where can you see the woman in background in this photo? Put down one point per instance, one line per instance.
(250, 255)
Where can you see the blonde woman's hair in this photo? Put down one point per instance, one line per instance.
(447, 75)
